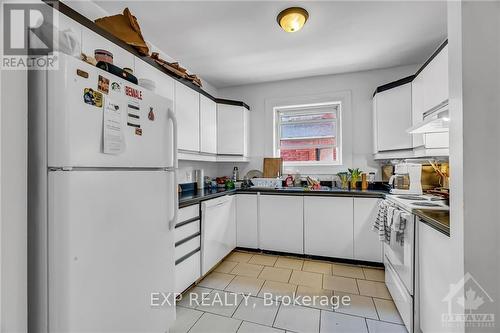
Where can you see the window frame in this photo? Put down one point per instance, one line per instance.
(310, 108)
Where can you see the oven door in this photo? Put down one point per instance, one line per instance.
(400, 252)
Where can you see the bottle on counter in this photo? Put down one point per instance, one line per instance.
(236, 173)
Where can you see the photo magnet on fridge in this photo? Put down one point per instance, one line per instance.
(92, 97)
(138, 131)
(103, 84)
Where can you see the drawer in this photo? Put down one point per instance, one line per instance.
(186, 230)
(185, 248)
(187, 272)
(188, 213)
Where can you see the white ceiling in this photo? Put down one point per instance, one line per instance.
(239, 42)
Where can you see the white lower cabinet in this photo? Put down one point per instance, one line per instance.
(281, 223)
(246, 221)
(328, 225)
(366, 243)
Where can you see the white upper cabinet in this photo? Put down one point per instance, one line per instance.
(435, 81)
(187, 111)
(164, 84)
(281, 223)
(208, 125)
(232, 130)
(417, 108)
(367, 246)
(328, 226)
(392, 115)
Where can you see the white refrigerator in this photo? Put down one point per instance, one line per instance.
(102, 202)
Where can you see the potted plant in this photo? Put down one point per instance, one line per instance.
(355, 176)
(344, 180)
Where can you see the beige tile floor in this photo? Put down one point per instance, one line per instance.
(371, 308)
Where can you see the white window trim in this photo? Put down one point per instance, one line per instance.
(299, 108)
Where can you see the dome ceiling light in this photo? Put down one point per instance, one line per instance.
(292, 19)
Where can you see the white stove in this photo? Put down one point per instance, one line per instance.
(410, 202)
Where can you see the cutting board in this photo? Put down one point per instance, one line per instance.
(273, 167)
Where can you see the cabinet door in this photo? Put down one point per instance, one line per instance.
(435, 276)
(164, 83)
(187, 110)
(208, 125)
(435, 80)
(394, 118)
(417, 108)
(281, 223)
(246, 221)
(92, 41)
(328, 227)
(230, 130)
(366, 243)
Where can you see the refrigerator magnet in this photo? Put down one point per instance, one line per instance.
(92, 97)
(115, 86)
(88, 96)
(82, 73)
(151, 114)
(138, 131)
(103, 84)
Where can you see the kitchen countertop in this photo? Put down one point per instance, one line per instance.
(191, 198)
(437, 219)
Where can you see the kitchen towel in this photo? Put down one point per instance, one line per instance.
(380, 224)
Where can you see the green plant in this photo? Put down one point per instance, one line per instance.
(344, 179)
(355, 176)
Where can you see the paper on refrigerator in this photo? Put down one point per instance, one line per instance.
(113, 139)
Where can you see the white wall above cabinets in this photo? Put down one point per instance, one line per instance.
(208, 125)
(187, 111)
(392, 117)
(281, 223)
(232, 130)
(328, 226)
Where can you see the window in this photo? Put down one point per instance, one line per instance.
(308, 134)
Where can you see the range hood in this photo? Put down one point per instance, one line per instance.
(436, 120)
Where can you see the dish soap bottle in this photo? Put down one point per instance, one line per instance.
(236, 173)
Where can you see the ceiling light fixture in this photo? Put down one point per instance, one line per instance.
(292, 19)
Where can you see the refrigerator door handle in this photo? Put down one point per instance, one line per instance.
(171, 117)
(172, 222)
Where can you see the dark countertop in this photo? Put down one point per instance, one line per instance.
(437, 219)
(191, 198)
(335, 192)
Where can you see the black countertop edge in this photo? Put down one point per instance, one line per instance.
(191, 198)
(410, 78)
(428, 217)
(76, 16)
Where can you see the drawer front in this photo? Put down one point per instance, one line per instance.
(188, 213)
(400, 296)
(187, 272)
(187, 247)
(186, 230)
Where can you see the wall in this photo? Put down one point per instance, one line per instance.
(13, 201)
(474, 135)
(357, 121)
